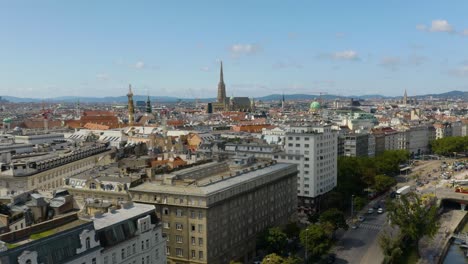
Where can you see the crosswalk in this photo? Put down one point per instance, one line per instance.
(371, 226)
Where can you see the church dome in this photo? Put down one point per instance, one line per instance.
(315, 105)
(7, 120)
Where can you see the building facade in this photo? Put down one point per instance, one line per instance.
(213, 212)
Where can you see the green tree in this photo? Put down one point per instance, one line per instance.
(413, 216)
(359, 203)
(335, 217)
(448, 145)
(292, 230)
(235, 262)
(391, 248)
(273, 240)
(276, 259)
(316, 240)
(383, 183)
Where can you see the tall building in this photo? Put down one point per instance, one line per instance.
(405, 98)
(212, 213)
(314, 150)
(221, 87)
(149, 109)
(131, 110)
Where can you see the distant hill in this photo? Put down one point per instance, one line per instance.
(170, 99)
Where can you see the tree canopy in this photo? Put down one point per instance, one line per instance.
(276, 259)
(383, 182)
(335, 217)
(316, 239)
(273, 240)
(413, 216)
(448, 145)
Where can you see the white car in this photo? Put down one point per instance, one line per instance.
(370, 211)
(380, 210)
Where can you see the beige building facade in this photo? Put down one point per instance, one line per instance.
(213, 212)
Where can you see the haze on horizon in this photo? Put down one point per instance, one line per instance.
(173, 48)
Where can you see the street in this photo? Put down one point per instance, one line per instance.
(361, 245)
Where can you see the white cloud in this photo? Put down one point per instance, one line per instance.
(421, 27)
(244, 49)
(438, 25)
(391, 63)
(346, 55)
(139, 65)
(102, 76)
(441, 25)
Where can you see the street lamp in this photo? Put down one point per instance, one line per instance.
(305, 248)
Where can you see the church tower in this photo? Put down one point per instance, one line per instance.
(405, 98)
(131, 110)
(148, 106)
(221, 87)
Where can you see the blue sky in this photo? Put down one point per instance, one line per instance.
(173, 48)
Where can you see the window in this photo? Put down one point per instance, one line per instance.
(122, 254)
(134, 248)
(28, 261)
(179, 213)
(88, 243)
(179, 226)
(179, 252)
(194, 254)
(157, 253)
(147, 260)
(290, 144)
(128, 251)
(192, 214)
(166, 225)
(156, 237)
(298, 145)
(200, 254)
(193, 227)
(200, 241)
(147, 243)
(165, 211)
(306, 145)
(106, 260)
(200, 215)
(168, 250)
(114, 258)
(193, 240)
(143, 260)
(200, 228)
(178, 239)
(142, 245)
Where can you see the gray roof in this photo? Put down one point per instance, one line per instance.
(122, 215)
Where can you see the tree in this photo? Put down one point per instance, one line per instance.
(359, 203)
(335, 217)
(316, 240)
(413, 216)
(275, 259)
(273, 240)
(292, 230)
(383, 183)
(448, 145)
(391, 248)
(234, 262)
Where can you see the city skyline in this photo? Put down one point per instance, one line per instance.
(96, 49)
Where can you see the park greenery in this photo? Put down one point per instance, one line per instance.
(447, 146)
(415, 216)
(277, 259)
(356, 175)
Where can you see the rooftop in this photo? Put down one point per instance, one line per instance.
(117, 216)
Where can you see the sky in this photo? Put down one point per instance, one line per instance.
(173, 48)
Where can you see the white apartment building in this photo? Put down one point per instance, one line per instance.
(314, 150)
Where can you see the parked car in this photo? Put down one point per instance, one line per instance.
(370, 211)
(361, 218)
(380, 210)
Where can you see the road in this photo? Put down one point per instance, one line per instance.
(361, 245)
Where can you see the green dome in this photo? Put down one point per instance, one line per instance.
(315, 105)
(7, 120)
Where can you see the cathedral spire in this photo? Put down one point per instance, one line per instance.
(221, 87)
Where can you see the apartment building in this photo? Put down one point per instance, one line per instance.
(212, 213)
(314, 150)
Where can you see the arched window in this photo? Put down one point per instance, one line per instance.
(92, 185)
(88, 243)
(28, 261)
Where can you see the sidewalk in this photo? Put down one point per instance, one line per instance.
(431, 249)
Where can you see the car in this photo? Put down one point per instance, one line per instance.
(380, 210)
(370, 211)
(393, 194)
(354, 226)
(361, 218)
